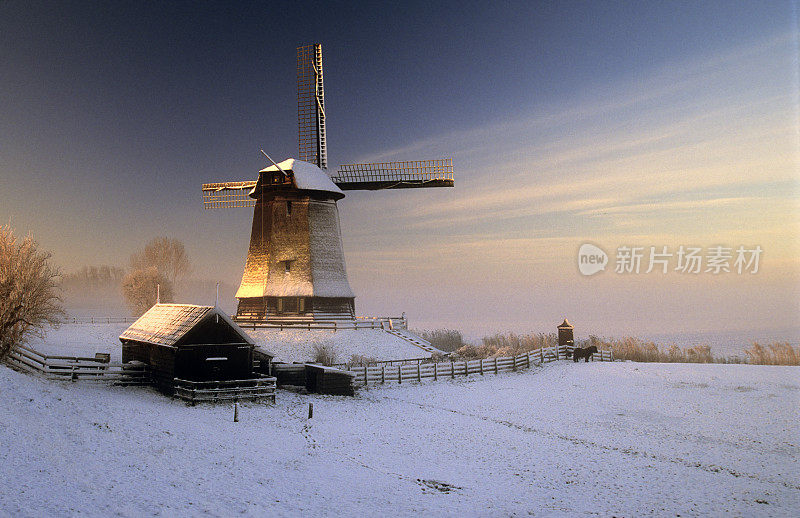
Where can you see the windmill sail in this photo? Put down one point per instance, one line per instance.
(311, 106)
(395, 175)
(224, 195)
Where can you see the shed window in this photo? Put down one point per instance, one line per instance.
(288, 207)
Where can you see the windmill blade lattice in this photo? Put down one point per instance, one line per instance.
(313, 145)
(395, 175)
(227, 195)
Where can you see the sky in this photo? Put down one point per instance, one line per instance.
(620, 124)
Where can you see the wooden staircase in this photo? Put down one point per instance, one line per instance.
(413, 339)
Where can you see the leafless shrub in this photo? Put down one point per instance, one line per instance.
(360, 359)
(506, 344)
(324, 354)
(28, 284)
(446, 340)
(167, 255)
(141, 286)
(700, 354)
(436, 358)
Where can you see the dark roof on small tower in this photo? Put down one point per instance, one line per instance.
(565, 325)
(168, 324)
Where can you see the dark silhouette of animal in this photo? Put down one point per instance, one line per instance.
(580, 352)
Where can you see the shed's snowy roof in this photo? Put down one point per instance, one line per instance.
(307, 176)
(166, 324)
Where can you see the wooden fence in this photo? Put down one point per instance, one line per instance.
(335, 325)
(100, 320)
(98, 368)
(199, 391)
(449, 370)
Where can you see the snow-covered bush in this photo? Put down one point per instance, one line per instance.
(324, 353)
(28, 290)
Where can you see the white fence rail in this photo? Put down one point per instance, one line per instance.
(75, 367)
(384, 373)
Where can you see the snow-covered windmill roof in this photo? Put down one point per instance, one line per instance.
(166, 324)
(306, 176)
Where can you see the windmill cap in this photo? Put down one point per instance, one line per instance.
(306, 176)
(565, 325)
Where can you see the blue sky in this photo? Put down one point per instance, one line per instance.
(663, 123)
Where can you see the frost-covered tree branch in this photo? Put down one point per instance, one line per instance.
(28, 290)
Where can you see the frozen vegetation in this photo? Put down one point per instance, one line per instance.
(622, 438)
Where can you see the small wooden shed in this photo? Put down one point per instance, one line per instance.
(329, 380)
(197, 343)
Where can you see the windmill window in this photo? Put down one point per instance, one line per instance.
(290, 305)
(288, 266)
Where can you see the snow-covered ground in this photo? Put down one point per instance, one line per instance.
(298, 345)
(81, 340)
(286, 345)
(605, 439)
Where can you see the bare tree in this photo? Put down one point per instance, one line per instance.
(140, 287)
(28, 284)
(167, 255)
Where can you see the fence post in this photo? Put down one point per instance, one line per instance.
(400, 373)
(495, 365)
(541, 355)
(383, 374)
(419, 373)
(515, 362)
(434, 370)
(453, 370)
(466, 367)
(481, 366)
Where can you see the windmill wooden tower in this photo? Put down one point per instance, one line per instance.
(295, 265)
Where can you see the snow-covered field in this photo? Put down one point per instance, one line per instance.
(286, 345)
(605, 439)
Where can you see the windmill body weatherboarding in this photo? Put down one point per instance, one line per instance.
(295, 266)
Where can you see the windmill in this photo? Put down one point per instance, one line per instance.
(295, 265)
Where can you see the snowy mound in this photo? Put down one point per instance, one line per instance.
(298, 345)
